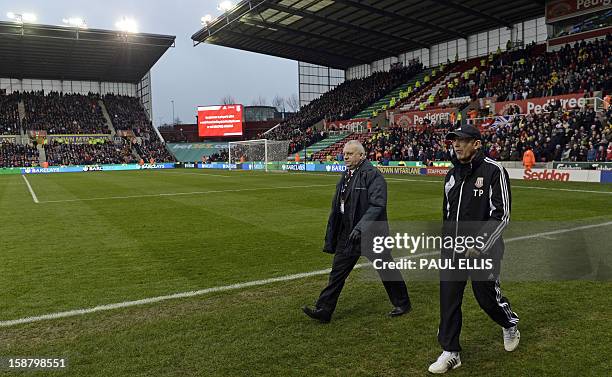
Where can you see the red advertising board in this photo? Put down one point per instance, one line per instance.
(220, 120)
(540, 105)
(561, 9)
(412, 118)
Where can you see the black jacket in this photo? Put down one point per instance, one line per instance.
(368, 209)
(477, 200)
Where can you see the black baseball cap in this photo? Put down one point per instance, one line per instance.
(466, 131)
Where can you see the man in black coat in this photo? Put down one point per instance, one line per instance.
(359, 208)
(477, 202)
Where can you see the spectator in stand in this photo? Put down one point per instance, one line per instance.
(59, 113)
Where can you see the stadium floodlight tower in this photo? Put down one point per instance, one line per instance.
(260, 154)
(22, 18)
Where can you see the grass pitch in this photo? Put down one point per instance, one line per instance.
(104, 238)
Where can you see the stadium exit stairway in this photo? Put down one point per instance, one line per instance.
(318, 146)
(107, 117)
(377, 106)
(42, 155)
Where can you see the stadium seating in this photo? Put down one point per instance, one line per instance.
(557, 136)
(17, 155)
(331, 152)
(394, 95)
(532, 72)
(320, 145)
(10, 123)
(127, 114)
(87, 154)
(59, 113)
(340, 103)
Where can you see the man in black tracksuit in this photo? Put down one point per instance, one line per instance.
(359, 208)
(477, 202)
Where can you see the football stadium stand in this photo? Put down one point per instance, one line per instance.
(104, 152)
(17, 155)
(62, 113)
(10, 121)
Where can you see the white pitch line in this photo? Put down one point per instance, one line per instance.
(180, 193)
(200, 292)
(145, 301)
(34, 197)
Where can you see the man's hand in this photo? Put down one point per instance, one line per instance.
(355, 235)
(472, 253)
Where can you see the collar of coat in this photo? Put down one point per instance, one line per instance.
(465, 170)
(366, 165)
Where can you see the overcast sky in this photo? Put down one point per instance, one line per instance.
(190, 76)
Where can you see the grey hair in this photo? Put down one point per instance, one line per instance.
(357, 145)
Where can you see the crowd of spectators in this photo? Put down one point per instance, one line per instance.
(17, 155)
(299, 139)
(342, 102)
(350, 97)
(576, 135)
(583, 67)
(560, 135)
(61, 113)
(407, 144)
(126, 113)
(152, 149)
(221, 156)
(88, 154)
(9, 114)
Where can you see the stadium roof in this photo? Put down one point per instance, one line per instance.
(344, 33)
(66, 53)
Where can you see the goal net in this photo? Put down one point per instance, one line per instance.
(262, 154)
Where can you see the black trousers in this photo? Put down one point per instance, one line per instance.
(488, 294)
(341, 268)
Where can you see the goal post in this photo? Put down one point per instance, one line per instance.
(260, 154)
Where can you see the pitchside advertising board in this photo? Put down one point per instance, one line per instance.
(220, 120)
(92, 168)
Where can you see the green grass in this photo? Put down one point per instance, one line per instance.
(70, 252)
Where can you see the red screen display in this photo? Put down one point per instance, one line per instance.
(220, 120)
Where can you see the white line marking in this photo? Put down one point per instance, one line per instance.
(181, 193)
(34, 197)
(200, 292)
(560, 231)
(254, 283)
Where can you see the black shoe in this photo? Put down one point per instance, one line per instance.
(320, 315)
(400, 310)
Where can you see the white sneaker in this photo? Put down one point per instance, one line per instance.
(511, 338)
(446, 361)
